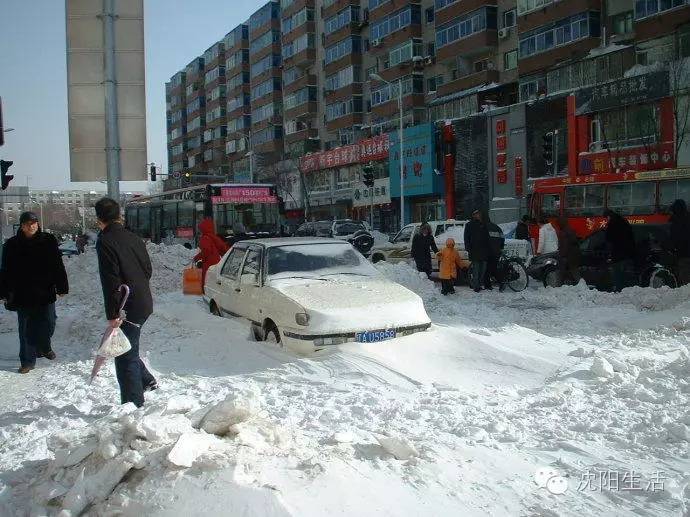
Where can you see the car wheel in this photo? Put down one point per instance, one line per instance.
(661, 278)
(552, 278)
(215, 310)
(271, 334)
(377, 258)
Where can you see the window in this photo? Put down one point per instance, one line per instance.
(429, 15)
(510, 60)
(264, 112)
(342, 19)
(669, 191)
(268, 12)
(238, 123)
(440, 4)
(252, 264)
(265, 64)
(465, 26)
(238, 102)
(215, 114)
(631, 126)
(292, 74)
(584, 201)
(509, 19)
(660, 50)
(405, 52)
(344, 77)
(217, 93)
(233, 37)
(352, 45)
(296, 20)
(622, 23)
(563, 32)
(434, 83)
(410, 84)
(300, 97)
(296, 46)
(405, 234)
(396, 21)
(525, 6)
(342, 108)
(480, 66)
(265, 88)
(267, 135)
(263, 41)
(237, 80)
(233, 263)
(238, 58)
(212, 53)
(196, 123)
(551, 205)
(644, 8)
(632, 198)
(373, 4)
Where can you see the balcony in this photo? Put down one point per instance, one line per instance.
(298, 84)
(301, 135)
(305, 58)
(573, 51)
(475, 44)
(336, 7)
(553, 12)
(456, 9)
(468, 81)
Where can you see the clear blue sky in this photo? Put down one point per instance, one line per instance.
(33, 81)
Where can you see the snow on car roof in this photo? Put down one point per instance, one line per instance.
(291, 241)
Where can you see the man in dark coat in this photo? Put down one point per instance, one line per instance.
(477, 247)
(123, 259)
(621, 242)
(680, 239)
(569, 256)
(522, 229)
(496, 243)
(31, 276)
(422, 244)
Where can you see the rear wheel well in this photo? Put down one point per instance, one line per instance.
(213, 307)
(270, 327)
(378, 257)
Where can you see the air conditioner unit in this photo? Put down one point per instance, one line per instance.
(376, 42)
(503, 33)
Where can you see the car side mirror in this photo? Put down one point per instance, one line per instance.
(249, 279)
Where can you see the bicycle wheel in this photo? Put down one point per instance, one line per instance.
(517, 279)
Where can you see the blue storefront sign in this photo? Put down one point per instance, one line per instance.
(419, 160)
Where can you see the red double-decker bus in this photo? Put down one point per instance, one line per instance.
(642, 197)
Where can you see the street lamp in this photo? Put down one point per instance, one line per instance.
(248, 138)
(377, 77)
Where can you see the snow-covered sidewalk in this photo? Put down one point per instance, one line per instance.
(586, 391)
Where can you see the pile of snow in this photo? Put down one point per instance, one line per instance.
(380, 239)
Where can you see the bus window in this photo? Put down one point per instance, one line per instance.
(550, 205)
(144, 222)
(671, 190)
(584, 201)
(169, 222)
(632, 198)
(131, 222)
(185, 216)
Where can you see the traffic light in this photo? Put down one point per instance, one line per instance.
(6, 178)
(153, 172)
(368, 175)
(547, 148)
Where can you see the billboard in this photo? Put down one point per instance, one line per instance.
(86, 92)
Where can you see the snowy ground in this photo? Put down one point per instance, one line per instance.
(506, 391)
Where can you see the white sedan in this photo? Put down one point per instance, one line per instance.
(307, 294)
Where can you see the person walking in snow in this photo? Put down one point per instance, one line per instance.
(211, 247)
(680, 239)
(448, 263)
(32, 275)
(548, 238)
(123, 259)
(477, 247)
(422, 244)
(621, 242)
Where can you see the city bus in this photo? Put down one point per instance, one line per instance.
(174, 216)
(641, 197)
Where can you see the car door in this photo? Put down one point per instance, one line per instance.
(247, 300)
(228, 277)
(402, 243)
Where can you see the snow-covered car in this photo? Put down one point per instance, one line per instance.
(307, 294)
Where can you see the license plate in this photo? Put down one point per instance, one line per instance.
(373, 336)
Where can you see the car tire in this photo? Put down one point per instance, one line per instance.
(271, 333)
(661, 278)
(377, 257)
(215, 310)
(552, 278)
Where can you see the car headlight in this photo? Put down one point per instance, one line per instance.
(302, 318)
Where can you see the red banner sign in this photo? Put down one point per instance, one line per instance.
(500, 126)
(245, 195)
(502, 176)
(518, 176)
(652, 157)
(371, 149)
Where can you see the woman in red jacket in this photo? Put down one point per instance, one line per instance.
(211, 247)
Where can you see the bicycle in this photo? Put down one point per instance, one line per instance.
(511, 272)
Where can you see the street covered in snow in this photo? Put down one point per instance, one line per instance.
(546, 402)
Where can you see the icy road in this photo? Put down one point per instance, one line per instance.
(548, 402)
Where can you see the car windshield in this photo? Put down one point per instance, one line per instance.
(316, 260)
(348, 228)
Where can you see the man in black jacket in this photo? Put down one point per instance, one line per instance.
(31, 276)
(621, 242)
(522, 229)
(477, 247)
(123, 259)
(422, 243)
(680, 239)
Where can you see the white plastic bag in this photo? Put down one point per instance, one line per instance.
(114, 343)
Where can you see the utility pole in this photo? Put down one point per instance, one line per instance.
(112, 136)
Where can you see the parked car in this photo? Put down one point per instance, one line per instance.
(309, 294)
(652, 267)
(354, 232)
